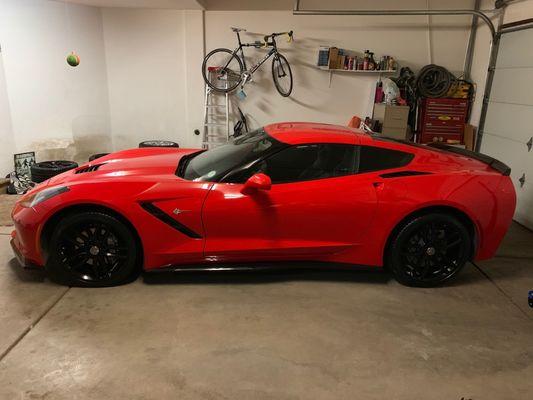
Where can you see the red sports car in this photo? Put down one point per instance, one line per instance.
(316, 193)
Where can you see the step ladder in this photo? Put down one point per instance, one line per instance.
(216, 116)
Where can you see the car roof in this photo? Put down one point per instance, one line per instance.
(311, 132)
(295, 133)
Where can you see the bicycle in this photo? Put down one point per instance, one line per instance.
(224, 70)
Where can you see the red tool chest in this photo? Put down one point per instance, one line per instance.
(442, 120)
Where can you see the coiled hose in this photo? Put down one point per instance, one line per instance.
(434, 81)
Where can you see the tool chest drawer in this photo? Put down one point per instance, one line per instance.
(442, 120)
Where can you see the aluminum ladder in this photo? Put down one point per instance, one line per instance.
(216, 118)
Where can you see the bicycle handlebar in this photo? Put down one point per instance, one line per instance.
(273, 35)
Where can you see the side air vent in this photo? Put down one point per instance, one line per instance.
(88, 168)
(167, 219)
(399, 174)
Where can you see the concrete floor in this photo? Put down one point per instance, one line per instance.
(7, 201)
(293, 335)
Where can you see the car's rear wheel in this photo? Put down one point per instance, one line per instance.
(92, 249)
(429, 250)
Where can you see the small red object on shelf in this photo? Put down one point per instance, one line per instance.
(442, 120)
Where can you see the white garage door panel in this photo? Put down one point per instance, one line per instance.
(515, 50)
(524, 204)
(513, 86)
(511, 121)
(507, 151)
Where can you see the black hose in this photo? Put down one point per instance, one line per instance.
(434, 81)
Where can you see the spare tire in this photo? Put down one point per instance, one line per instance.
(44, 170)
(95, 156)
(158, 143)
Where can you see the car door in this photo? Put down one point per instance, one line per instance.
(317, 207)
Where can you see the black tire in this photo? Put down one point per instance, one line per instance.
(95, 156)
(11, 189)
(158, 143)
(45, 170)
(76, 251)
(230, 60)
(429, 250)
(282, 69)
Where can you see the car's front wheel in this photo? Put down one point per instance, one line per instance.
(92, 249)
(429, 250)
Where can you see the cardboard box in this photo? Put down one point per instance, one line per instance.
(333, 56)
(469, 137)
(391, 116)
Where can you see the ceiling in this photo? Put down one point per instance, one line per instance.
(170, 4)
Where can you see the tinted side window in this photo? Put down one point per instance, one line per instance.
(376, 159)
(306, 162)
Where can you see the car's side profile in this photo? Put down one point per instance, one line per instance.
(287, 192)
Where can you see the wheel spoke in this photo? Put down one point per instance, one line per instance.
(453, 244)
(433, 251)
(92, 251)
(80, 263)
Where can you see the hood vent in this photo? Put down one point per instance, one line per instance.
(88, 168)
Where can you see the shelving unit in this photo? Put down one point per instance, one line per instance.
(357, 71)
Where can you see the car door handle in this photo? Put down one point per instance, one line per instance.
(378, 184)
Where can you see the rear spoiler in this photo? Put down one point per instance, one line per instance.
(491, 162)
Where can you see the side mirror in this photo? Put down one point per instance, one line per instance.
(257, 182)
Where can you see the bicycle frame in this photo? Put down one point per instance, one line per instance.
(256, 66)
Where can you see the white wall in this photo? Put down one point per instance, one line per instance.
(406, 38)
(7, 147)
(146, 52)
(57, 110)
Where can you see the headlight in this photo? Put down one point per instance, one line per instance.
(32, 199)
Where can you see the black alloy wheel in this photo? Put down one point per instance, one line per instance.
(429, 250)
(92, 249)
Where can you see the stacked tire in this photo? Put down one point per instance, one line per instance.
(158, 143)
(96, 156)
(47, 169)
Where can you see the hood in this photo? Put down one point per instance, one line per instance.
(140, 164)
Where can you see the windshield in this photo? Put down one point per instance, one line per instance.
(214, 164)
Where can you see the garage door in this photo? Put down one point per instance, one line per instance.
(509, 125)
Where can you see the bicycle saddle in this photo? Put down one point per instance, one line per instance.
(238, 29)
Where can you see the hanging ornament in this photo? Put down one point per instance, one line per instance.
(73, 59)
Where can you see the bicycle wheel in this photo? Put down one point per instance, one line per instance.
(222, 70)
(282, 75)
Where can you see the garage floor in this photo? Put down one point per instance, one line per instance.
(292, 335)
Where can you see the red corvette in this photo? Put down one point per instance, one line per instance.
(287, 192)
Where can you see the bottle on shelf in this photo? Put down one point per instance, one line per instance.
(366, 60)
(371, 61)
(391, 64)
